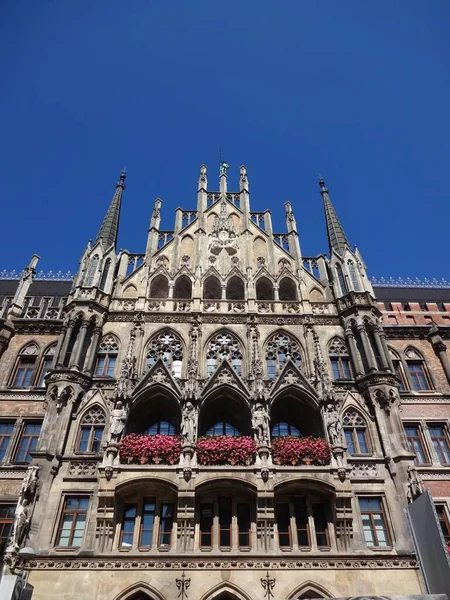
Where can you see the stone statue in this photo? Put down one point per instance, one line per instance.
(224, 168)
(117, 423)
(30, 482)
(124, 385)
(260, 424)
(21, 523)
(334, 426)
(415, 485)
(189, 424)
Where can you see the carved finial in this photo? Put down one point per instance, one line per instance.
(322, 185)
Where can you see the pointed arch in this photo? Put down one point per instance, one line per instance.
(105, 273)
(223, 345)
(341, 278)
(23, 373)
(107, 353)
(354, 279)
(279, 347)
(288, 290)
(168, 346)
(133, 591)
(235, 288)
(187, 247)
(92, 270)
(399, 367)
(417, 369)
(130, 291)
(159, 287)
(356, 432)
(315, 295)
(183, 288)
(309, 589)
(264, 289)
(212, 289)
(91, 428)
(219, 591)
(339, 358)
(46, 363)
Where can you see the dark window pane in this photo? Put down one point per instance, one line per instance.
(206, 523)
(283, 523)
(243, 518)
(225, 522)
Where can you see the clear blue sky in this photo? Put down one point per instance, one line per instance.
(356, 90)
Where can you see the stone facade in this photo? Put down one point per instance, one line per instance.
(221, 327)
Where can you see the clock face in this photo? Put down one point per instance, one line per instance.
(223, 236)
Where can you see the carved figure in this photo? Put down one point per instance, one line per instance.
(334, 426)
(30, 482)
(223, 235)
(21, 523)
(189, 424)
(415, 485)
(117, 423)
(260, 424)
(124, 385)
(223, 167)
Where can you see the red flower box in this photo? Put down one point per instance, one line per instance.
(290, 450)
(156, 449)
(226, 450)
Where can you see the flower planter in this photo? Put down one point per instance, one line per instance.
(144, 449)
(226, 450)
(295, 451)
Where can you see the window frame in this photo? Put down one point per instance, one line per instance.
(445, 437)
(75, 513)
(310, 527)
(31, 359)
(10, 437)
(4, 521)
(353, 429)
(443, 518)
(420, 437)
(20, 436)
(387, 524)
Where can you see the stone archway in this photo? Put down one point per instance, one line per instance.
(226, 591)
(139, 591)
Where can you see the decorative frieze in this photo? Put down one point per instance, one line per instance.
(82, 468)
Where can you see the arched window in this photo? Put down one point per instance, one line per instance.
(168, 347)
(341, 279)
(280, 348)
(418, 372)
(107, 357)
(264, 289)
(235, 289)
(24, 371)
(223, 346)
(288, 290)
(91, 270)
(223, 428)
(105, 273)
(91, 431)
(283, 429)
(355, 429)
(159, 287)
(212, 290)
(46, 365)
(183, 288)
(398, 369)
(353, 275)
(339, 359)
(161, 428)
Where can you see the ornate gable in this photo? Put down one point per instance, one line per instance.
(225, 375)
(291, 376)
(160, 375)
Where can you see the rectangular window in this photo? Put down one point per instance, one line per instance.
(224, 522)
(349, 441)
(271, 368)
(6, 431)
(301, 522)
(128, 523)
(148, 522)
(46, 366)
(111, 366)
(165, 524)
(28, 442)
(24, 372)
(90, 438)
(444, 521)
(399, 372)
(206, 525)
(73, 522)
(6, 521)
(418, 376)
(440, 443)
(100, 365)
(374, 522)
(283, 524)
(321, 525)
(340, 366)
(362, 441)
(415, 443)
(243, 519)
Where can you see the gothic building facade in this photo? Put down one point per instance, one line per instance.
(220, 417)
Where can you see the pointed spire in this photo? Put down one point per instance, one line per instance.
(110, 225)
(337, 239)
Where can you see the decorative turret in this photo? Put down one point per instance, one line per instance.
(110, 226)
(337, 239)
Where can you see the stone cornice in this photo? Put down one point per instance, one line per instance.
(413, 332)
(40, 326)
(227, 318)
(177, 563)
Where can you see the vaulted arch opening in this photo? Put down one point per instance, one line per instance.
(156, 413)
(212, 289)
(288, 290)
(183, 288)
(290, 414)
(225, 413)
(264, 289)
(159, 287)
(235, 289)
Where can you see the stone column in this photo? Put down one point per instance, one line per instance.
(76, 356)
(65, 345)
(354, 353)
(379, 345)
(90, 360)
(386, 349)
(440, 349)
(367, 347)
